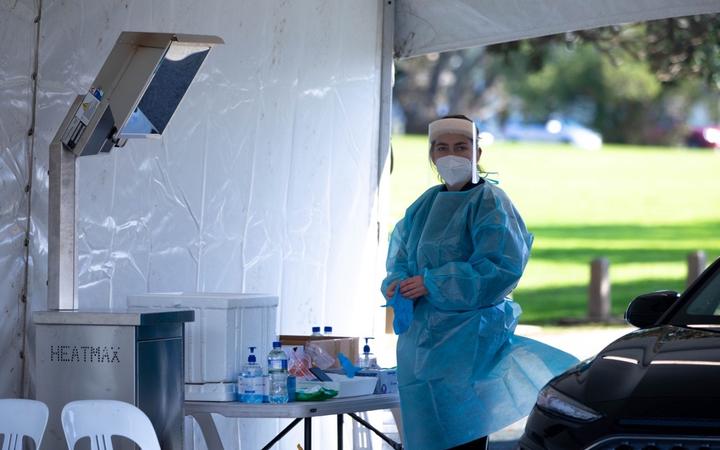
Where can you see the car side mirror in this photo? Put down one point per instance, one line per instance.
(645, 310)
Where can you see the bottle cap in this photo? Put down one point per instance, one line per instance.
(327, 329)
(251, 356)
(276, 344)
(315, 329)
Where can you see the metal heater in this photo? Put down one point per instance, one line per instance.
(134, 356)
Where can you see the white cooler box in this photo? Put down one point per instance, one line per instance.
(216, 343)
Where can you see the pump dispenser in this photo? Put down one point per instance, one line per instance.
(250, 381)
(367, 360)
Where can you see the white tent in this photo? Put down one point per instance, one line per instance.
(270, 178)
(426, 26)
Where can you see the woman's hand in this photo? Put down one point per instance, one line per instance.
(390, 292)
(413, 287)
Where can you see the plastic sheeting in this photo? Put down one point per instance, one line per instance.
(265, 180)
(17, 43)
(426, 26)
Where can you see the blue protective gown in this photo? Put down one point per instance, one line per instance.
(462, 374)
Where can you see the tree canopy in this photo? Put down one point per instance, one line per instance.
(635, 83)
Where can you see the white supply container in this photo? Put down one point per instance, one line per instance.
(352, 387)
(216, 343)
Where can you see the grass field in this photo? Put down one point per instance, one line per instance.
(644, 208)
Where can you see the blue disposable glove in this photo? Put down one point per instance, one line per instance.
(403, 311)
(348, 367)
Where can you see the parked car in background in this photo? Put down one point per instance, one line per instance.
(554, 130)
(653, 389)
(705, 137)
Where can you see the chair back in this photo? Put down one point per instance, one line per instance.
(20, 417)
(101, 419)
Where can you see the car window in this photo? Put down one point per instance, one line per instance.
(704, 304)
(707, 301)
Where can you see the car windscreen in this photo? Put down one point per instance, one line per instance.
(702, 307)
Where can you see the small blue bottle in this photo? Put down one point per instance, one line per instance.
(251, 381)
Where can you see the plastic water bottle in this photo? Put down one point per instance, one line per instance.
(278, 372)
(327, 331)
(316, 331)
(251, 381)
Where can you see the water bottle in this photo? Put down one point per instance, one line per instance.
(278, 373)
(327, 331)
(316, 331)
(251, 381)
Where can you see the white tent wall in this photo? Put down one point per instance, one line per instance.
(427, 26)
(17, 39)
(266, 179)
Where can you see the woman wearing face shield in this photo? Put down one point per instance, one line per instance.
(457, 254)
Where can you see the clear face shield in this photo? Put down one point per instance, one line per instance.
(475, 174)
(457, 126)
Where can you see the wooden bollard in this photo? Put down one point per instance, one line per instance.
(599, 291)
(696, 262)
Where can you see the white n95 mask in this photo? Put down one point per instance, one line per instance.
(454, 169)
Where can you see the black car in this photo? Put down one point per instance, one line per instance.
(655, 388)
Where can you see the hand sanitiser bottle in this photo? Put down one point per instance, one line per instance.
(367, 360)
(251, 380)
(278, 372)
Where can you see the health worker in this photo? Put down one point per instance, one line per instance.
(456, 255)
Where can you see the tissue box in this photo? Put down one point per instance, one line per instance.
(386, 383)
(349, 346)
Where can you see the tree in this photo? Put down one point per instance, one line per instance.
(622, 79)
(432, 85)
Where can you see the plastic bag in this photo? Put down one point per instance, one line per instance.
(315, 393)
(319, 357)
(299, 364)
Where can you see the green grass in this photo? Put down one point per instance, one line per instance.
(644, 208)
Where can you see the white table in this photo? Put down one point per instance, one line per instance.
(296, 410)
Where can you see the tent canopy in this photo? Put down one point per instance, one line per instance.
(427, 26)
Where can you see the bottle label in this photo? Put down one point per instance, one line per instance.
(277, 365)
(252, 385)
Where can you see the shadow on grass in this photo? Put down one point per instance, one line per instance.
(651, 245)
(552, 305)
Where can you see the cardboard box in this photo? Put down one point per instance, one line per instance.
(349, 346)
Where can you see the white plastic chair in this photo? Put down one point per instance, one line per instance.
(101, 419)
(21, 417)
